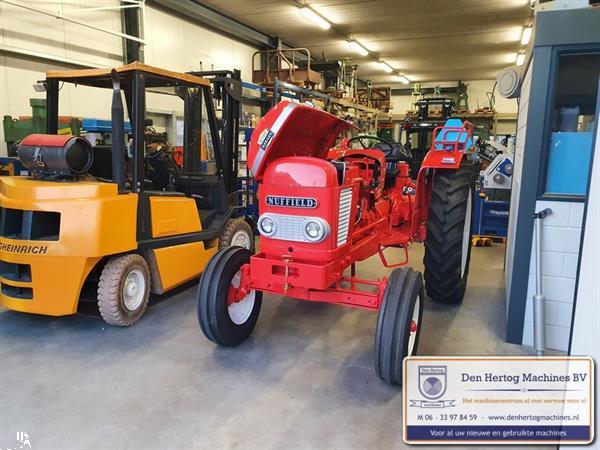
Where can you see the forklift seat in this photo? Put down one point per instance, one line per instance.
(207, 190)
(102, 164)
(206, 217)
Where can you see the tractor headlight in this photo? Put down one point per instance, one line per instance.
(315, 230)
(267, 226)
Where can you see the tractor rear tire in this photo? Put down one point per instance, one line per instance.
(237, 232)
(398, 323)
(225, 322)
(449, 232)
(124, 290)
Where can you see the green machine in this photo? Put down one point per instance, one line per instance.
(16, 129)
(386, 131)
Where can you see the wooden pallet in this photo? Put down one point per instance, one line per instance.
(480, 241)
(486, 240)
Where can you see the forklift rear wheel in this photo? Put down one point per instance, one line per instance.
(224, 318)
(237, 233)
(449, 231)
(124, 290)
(398, 323)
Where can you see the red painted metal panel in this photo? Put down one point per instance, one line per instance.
(291, 129)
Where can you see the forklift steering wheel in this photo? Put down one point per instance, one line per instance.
(156, 153)
(386, 152)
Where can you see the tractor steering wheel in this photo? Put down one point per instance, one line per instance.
(359, 139)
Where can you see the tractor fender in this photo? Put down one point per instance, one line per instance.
(440, 159)
(434, 160)
(430, 165)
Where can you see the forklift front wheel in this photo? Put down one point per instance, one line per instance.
(237, 233)
(226, 315)
(124, 290)
(398, 323)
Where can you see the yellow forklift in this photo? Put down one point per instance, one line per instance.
(122, 218)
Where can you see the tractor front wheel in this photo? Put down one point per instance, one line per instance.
(227, 315)
(449, 230)
(398, 323)
(124, 290)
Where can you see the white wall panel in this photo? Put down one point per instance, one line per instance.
(182, 45)
(32, 31)
(586, 332)
(477, 90)
(561, 235)
(17, 77)
(172, 43)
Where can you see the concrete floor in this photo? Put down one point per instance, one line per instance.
(305, 378)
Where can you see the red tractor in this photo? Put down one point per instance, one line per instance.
(323, 207)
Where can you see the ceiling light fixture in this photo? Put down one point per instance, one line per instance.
(315, 17)
(403, 79)
(358, 48)
(526, 35)
(385, 66)
(520, 58)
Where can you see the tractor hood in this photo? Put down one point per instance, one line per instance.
(292, 129)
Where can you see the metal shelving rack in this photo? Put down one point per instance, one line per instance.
(366, 116)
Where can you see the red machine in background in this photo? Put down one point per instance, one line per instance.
(323, 207)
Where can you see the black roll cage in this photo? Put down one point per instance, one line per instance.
(134, 81)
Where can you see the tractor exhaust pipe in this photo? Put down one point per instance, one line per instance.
(118, 133)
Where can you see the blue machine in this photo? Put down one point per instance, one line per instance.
(491, 217)
(491, 214)
(12, 166)
(452, 132)
(247, 186)
(100, 126)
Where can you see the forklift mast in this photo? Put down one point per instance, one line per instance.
(227, 90)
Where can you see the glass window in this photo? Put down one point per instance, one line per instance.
(573, 124)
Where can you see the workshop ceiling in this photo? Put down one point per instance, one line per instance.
(427, 40)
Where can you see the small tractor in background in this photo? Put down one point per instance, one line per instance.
(123, 218)
(323, 207)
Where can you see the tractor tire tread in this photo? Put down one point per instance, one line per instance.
(394, 321)
(211, 292)
(443, 244)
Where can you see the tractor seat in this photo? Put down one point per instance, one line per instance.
(392, 159)
(397, 154)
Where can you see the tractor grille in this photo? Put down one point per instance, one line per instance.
(291, 228)
(344, 216)
(29, 225)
